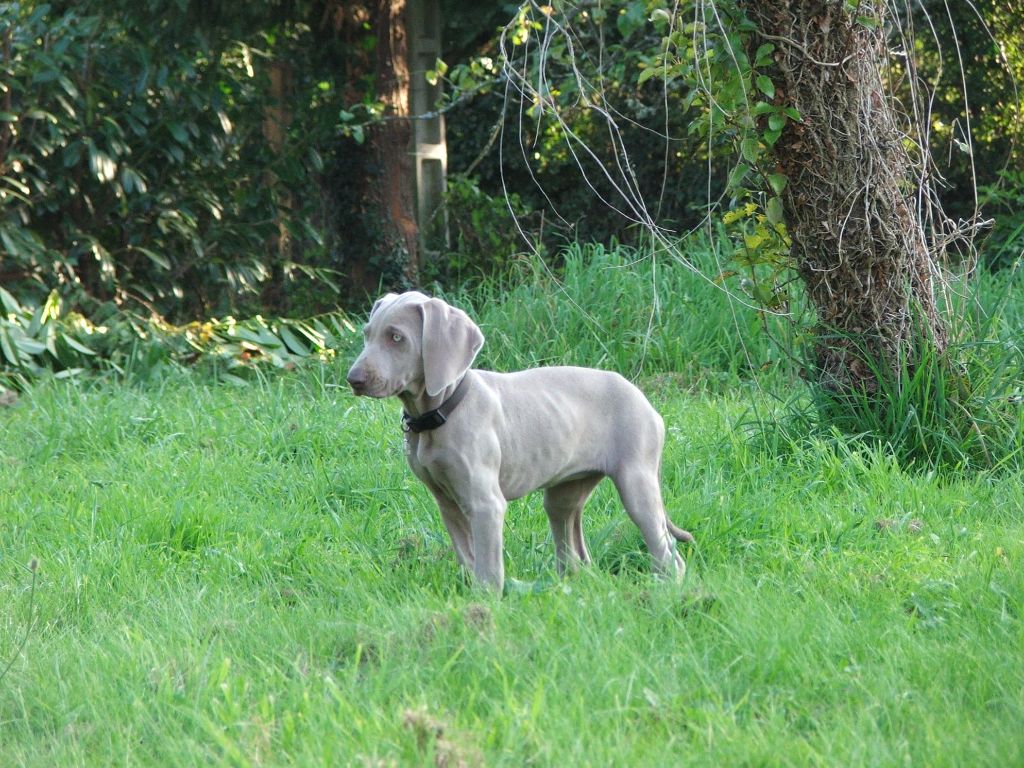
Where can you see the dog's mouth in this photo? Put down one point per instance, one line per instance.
(370, 388)
(364, 383)
(365, 390)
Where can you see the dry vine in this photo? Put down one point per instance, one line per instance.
(869, 238)
(875, 273)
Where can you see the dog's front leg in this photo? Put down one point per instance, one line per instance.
(457, 525)
(486, 513)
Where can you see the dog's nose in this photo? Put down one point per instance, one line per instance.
(357, 380)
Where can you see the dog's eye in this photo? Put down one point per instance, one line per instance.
(396, 337)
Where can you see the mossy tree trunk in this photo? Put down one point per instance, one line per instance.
(850, 203)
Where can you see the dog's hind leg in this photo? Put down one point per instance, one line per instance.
(564, 505)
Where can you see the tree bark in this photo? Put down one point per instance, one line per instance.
(857, 237)
(277, 119)
(391, 140)
(376, 188)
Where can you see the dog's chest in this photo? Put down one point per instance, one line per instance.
(419, 457)
(434, 465)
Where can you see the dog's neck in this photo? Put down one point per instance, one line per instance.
(416, 401)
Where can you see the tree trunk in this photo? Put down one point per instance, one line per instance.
(277, 118)
(375, 189)
(858, 240)
(391, 141)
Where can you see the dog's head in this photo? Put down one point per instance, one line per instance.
(413, 344)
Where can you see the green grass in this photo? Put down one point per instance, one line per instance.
(617, 308)
(251, 576)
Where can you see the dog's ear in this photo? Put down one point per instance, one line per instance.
(450, 343)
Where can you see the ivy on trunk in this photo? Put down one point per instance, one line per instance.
(851, 202)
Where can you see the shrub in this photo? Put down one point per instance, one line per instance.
(134, 168)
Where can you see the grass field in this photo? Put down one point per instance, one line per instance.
(251, 576)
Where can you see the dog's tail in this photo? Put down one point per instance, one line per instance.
(679, 533)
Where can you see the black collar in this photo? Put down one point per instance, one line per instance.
(435, 418)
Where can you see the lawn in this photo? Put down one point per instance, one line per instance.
(250, 575)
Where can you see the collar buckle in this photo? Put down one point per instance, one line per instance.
(428, 421)
(437, 417)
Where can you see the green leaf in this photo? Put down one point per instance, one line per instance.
(766, 86)
(776, 121)
(646, 74)
(777, 182)
(8, 348)
(75, 345)
(178, 132)
(764, 51)
(259, 337)
(17, 185)
(10, 303)
(774, 210)
(739, 173)
(156, 258)
(792, 113)
(750, 149)
(770, 137)
(101, 164)
(293, 342)
(233, 380)
(50, 338)
(12, 249)
(29, 345)
(131, 180)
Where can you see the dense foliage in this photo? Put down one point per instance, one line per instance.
(134, 163)
(644, 62)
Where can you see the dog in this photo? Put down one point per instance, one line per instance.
(478, 439)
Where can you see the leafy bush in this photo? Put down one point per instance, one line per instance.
(38, 340)
(484, 231)
(34, 339)
(135, 169)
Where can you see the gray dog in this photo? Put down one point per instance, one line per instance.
(478, 439)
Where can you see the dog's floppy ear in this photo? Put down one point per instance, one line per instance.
(450, 343)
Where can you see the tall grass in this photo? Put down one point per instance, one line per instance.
(959, 408)
(619, 308)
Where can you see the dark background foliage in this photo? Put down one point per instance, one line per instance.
(139, 165)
